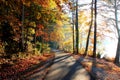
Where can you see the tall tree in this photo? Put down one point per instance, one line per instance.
(95, 29)
(22, 35)
(73, 32)
(117, 57)
(77, 30)
(73, 24)
(88, 36)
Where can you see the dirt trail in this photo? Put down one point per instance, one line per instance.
(65, 67)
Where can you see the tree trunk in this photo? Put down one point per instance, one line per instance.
(73, 32)
(77, 31)
(118, 52)
(95, 30)
(22, 36)
(118, 46)
(35, 40)
(88, 37)
(26, 40)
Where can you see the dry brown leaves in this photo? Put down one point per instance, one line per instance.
(108, 67)
(7, 70)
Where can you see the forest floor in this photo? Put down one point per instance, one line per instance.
(23, 68)
(100, 68)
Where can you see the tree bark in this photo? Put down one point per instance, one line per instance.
(118, 52)
(118, 46)
(73, 32)
(95, 30)
(77, 30)
(22, 36)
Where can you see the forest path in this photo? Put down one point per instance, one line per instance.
(65, 67)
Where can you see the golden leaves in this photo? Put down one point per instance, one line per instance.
(59, 23)
(26, 2)
(52, 4)
(38, 16)
(33, 24)
(31, 30)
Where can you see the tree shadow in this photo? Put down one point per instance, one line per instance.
(36, 69)
(73, 71)
(93, 68)
(67, 70)
(60, 58)
(76, 66)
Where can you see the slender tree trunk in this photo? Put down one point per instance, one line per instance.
(35, 40)
(22, 36)
(88, 37)
(95, 30)
(26, 40)
(118, 46)
(77, 30)
(118, 52)
(73, 32)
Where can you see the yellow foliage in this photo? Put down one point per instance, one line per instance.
(33, 24)
(57, 35)
(31, 30)
(84, 19)
(82, 50)
(67, 42)
(59, 23)
(90, 50)
(38, 16)
(52, 4)
(26, 2)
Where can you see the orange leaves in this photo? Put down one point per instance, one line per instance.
(57, 35)
(8, 71)
(26, 2)
(45, 37)
(40, 26)
(43, 3)
(39, 31)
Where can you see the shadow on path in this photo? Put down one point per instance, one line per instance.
(36, 72)
(76, 66)
(60, 58)
(65, 67)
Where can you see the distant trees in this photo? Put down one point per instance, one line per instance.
(115, 5)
